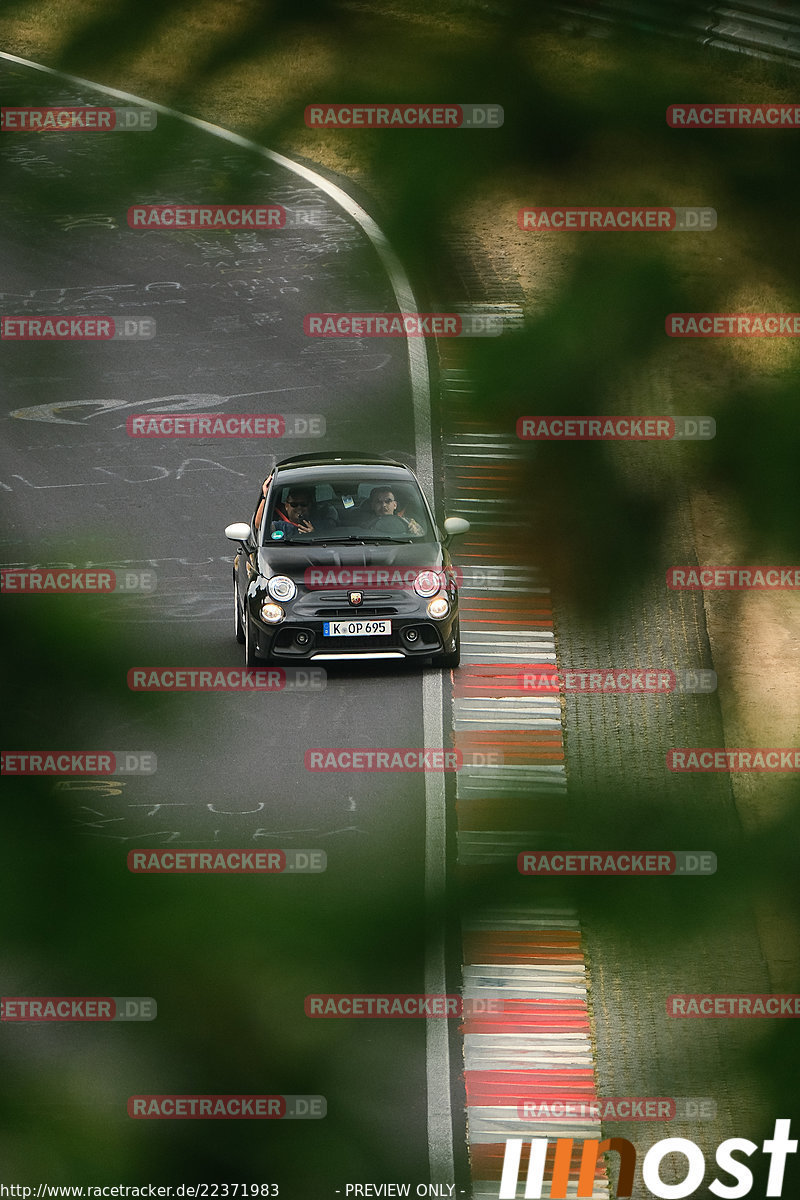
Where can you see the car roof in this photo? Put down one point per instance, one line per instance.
(345, 459)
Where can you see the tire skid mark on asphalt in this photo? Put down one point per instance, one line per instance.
(537, 1049)
(438, 1097)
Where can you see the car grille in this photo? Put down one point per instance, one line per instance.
(356, 612)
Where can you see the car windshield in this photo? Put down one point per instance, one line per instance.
(358, 506)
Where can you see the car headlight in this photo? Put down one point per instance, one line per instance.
(273, 614)
(428, 583)
(281, 587)
(438, 608)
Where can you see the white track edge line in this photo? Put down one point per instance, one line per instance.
(440, 1127)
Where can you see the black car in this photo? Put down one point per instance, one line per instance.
(344, 561)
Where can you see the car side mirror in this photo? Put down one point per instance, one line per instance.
(239, 532)
(454, 527)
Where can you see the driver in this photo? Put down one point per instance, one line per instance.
(382, 504)
(293, 518)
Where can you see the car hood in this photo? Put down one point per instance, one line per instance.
(294, 560)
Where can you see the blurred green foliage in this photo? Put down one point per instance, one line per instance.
(584, 123)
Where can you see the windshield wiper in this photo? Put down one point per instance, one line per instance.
(353, 539)
(317, 541)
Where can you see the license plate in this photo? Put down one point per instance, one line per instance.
(356, 628)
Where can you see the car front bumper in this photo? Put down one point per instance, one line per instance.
(300, 638)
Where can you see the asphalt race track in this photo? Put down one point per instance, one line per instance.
(402, 882)
(79, 490)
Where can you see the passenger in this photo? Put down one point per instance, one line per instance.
(383, 505)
